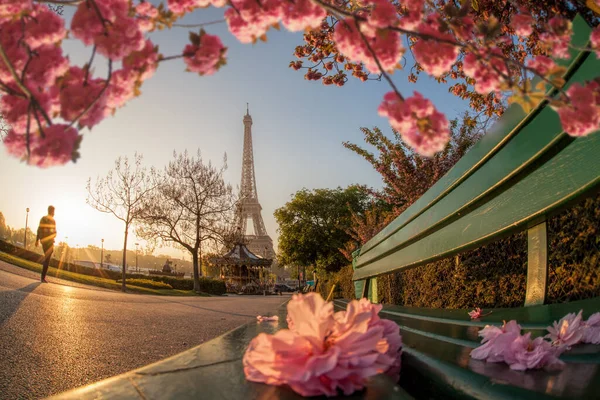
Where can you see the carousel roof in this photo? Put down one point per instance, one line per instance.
(240, 255)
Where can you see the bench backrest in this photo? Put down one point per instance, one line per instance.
(523, 170)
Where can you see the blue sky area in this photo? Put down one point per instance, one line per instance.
(298, 130)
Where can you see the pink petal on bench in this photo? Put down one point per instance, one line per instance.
(260, 318)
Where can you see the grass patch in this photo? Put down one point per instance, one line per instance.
(92, 280)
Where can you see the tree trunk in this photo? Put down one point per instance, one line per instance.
(196, 275)
(124, 258)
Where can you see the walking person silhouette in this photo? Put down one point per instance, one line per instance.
(46, 233)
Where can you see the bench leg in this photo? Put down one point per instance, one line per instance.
(537, 265)
(365, 290)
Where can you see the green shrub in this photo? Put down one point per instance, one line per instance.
(147, 283)
(207, 285)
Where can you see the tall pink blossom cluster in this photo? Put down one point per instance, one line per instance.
(417, 120)
(206, 56)
(361, 48)
(324, 352)
(435, 56)
(506, 344)
(558, 37)
(487, 68)
(581, 115)
(522, 24)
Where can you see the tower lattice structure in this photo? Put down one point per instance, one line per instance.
(260, 243)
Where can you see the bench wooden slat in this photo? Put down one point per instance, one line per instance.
(436, 351)
(500, 134)
(526, 203)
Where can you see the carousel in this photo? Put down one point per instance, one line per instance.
(243, 271)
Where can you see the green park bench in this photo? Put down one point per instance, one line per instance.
(524, 170)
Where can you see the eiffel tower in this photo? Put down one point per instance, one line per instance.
(260, 243)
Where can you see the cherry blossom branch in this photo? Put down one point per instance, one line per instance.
(20, 84)
(89, 107)
(385, 74)
(89, 66)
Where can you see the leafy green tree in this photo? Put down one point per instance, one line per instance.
(313, 226)
(4, 232)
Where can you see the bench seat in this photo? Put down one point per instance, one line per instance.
(212, 371)
(436, 362)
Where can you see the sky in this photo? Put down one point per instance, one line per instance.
(298, 130)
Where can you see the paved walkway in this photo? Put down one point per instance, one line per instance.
(62, 335)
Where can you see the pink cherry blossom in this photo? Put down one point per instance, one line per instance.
(301, 14)
(86, 24)
(323, 352)
(77, 94)
(435, 57)
(419, 123)
(207, 57)
(487, 70)
(114, 33)
(43, 27)
(524, 353)
(15, 109)
(45, 66)
(185, 6)
(595, 40)
(522, 24)
(413, 16)
(121, 88)
(566, 332)
(381, 14)
(147, 13)
(558, 37)
(144, 61)
(387, 46)
(591, 329)
(495, 341)
(11, 8)
(541, 64)
(57, 147)
(476, 313)
(248, 20)
(581, 115)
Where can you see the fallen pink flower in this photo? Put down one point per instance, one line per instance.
(524, 353)
(591, 329)
(478, 313)
(260, 318)
(566, 332)
(495, 341)
(324, 352)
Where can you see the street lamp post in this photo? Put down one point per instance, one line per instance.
(136, 257)
(26, 221)
(102, 255)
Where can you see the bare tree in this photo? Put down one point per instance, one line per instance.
(192, 206)
(121, 193)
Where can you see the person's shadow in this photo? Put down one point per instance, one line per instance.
(10, 300)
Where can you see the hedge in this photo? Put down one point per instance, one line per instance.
(495, 275)
(207, 285)
(147, 283)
